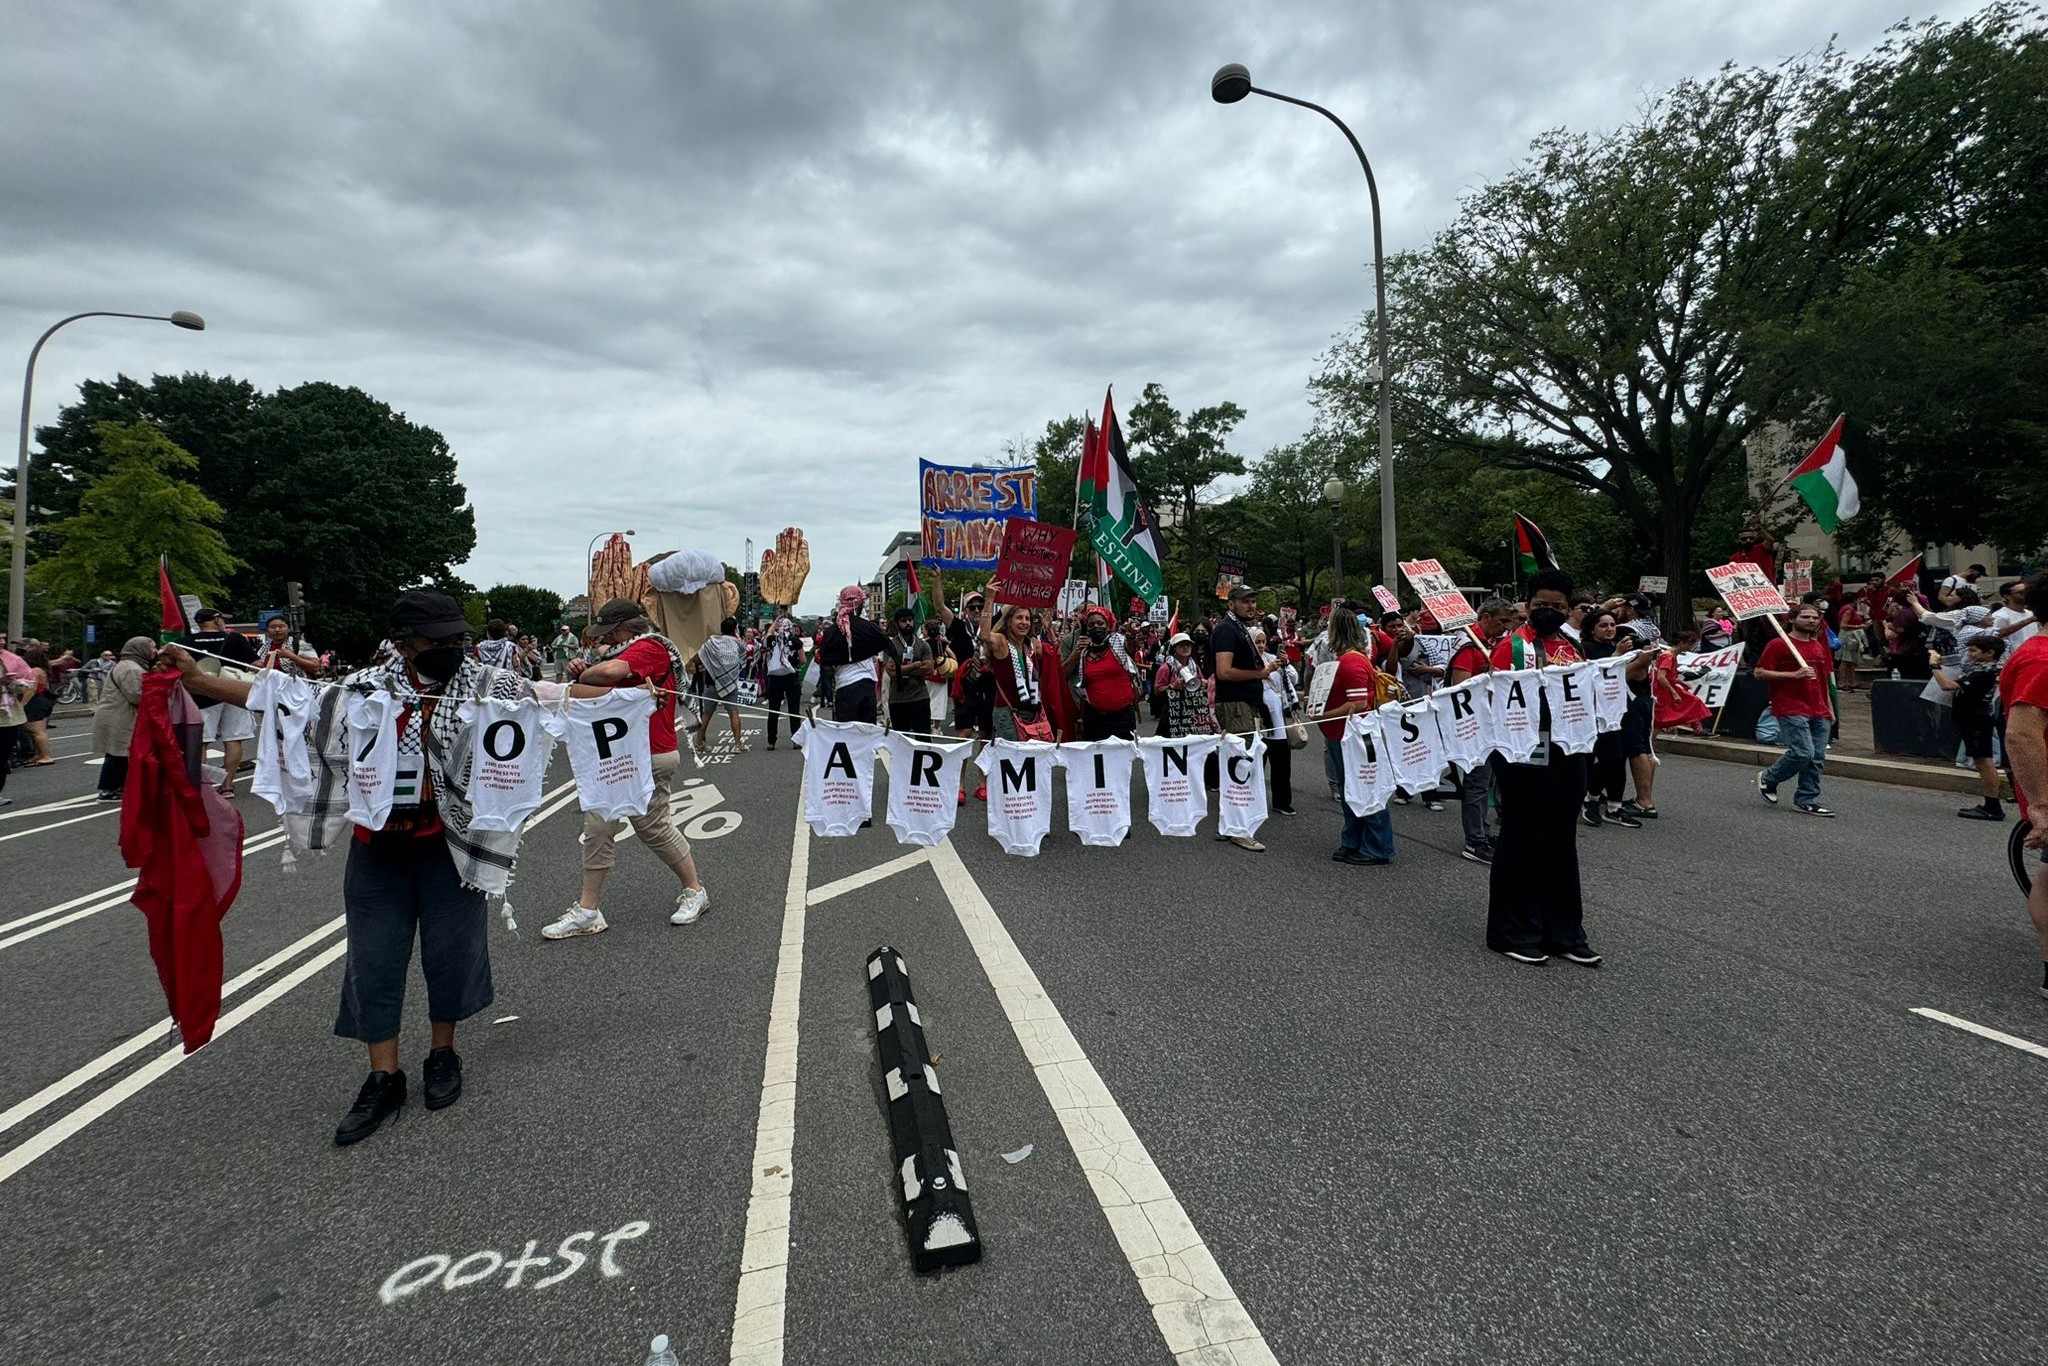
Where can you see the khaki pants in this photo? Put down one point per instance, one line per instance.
(655, 829)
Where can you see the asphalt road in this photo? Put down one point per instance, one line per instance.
(1291, 1104)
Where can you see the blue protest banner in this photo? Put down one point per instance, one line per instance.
(964, 509)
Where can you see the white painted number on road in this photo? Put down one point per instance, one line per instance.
(693, 813)
(451, 1273)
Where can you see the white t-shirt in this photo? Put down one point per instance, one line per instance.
(1570, 689)
(2006, 616)
(924, 788)
(508, 765)
(839, 773)
(1175, 800)
(1241, 787)
(1517, 712)
(1464, 718)
(1019, 792)
(1368, 771)
(608, 749)
(284, 770)
(1099, 790)
(1610, 691)
(373, 759)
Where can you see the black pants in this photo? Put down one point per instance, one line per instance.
(854, 703)
(782, 696)
(113, 773)
(1610, 768)
(911, 715)
(1533, 898)
(1107, 725)
(393, 890)
(1280, 774)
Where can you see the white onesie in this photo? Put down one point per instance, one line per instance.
(1610, 691)
(1517, 713)
(1175, 800)
(284, 770)
(608, 750)
(1413, 744)
(1570, 689)
(1099, 790)
(1368, 774)
(1019, 793)
(839, 773)
(924, 787)
(373, 759)
(508, 767)
(1241, 788)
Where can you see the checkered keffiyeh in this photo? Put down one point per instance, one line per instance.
(483, 859)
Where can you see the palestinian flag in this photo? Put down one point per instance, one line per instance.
(1824, 481)
(1118, 525)
(173, 621)
(1532, 551)
(1907, 575)
(915, 590)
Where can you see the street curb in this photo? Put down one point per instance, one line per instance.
(70, 713)
(1895, 771)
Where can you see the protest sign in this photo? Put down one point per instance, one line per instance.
(1158, 613)
(1319, 685)
(964, 511)
(1439, 593)
(1384, 596)
(1229, 570)
(1073, 596)
(1747, 590)
(1654, 583)
(1031, 563)
(1798, 578)
(1709, 674)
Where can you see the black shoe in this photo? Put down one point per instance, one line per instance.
(1341, 856)
(1533, 957)
(1583, 955)
(1352, 856)
(1431, 804)
(1591, 815)
(1811, 809)
(1987, 812)
(1478, 853)
(1637, 812)
(1769, 793)
(115, 797)
(441, 1083)
(382, 1096)
(1627, 819)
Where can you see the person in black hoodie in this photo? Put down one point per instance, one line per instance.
(850, 648)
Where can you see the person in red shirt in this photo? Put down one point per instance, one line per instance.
(1108, 694)
(1472, 658)
(1798, 674)
(1367, 841)
(638, 654)
(1534, 908)
(2023, 683)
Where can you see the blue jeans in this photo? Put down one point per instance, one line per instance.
(1806, 753)
(1372, 836)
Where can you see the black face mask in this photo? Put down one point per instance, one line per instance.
(1547, 621)
(1098, 633)
(439, 664)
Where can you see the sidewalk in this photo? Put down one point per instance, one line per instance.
(1851, 756)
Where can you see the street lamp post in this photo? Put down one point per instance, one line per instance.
(17, 579)
(589, 578)
(1333, 494)
(1229, 85)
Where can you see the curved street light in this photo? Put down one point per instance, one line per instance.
(17, 578)
(589, 577)
(1232, 83)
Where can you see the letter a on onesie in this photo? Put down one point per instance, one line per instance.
(839, 774)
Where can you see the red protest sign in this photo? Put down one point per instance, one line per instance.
(1385, 597)
(1439, 593)
(1747, 590)
(1031, 567)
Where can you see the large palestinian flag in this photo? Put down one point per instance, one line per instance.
(1532, 550)
(1107, 498)
(1824, 481)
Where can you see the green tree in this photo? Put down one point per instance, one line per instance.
(137, 508)
(1177, 458)
(534, 610)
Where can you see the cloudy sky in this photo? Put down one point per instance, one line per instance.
(711, 269)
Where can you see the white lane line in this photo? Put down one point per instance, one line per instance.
(156, 1033)
(1983, 1031)
(248, 842)
(757, 1312)
(33, 1147)
(112, 809)
(1198, 1313)
(59, 805)
(119, 899)
(548, 811)
(867, 877)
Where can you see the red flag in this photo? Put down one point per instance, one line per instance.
(1907, 575)
(1089, 441)
(1173, 625)
(174, 622)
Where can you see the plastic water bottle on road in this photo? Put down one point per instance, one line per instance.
(658, 1353)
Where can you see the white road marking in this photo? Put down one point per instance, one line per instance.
(867, 877)
(111, 809)
(18, 1157)
(758, 1308)
(61, 907)
(260, 843)
(1983, 1031)
(156, 1033)
(58, 805)
(1198, 1313)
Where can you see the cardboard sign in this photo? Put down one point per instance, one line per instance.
(1073, 596)
(1384, 596)
(1654, 583)
(1032, 564)
(1710, 674)
(1158, 613)
(1798, 578)
(1748, 592)
(1319, 685)
(965, 510)
(1439, 593)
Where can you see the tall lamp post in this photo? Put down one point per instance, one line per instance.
(589, 579)
(17, 579)
(1229, 85)
(1333, 494)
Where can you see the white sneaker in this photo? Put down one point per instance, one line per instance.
(690, 905)
(577, 920)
